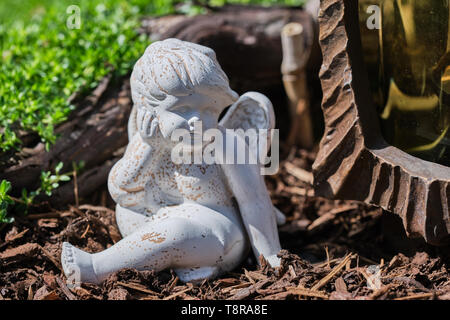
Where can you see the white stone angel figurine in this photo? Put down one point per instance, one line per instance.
(199, 219)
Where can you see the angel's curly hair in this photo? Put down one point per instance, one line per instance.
(177, 68)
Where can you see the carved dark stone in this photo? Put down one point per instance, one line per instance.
(354, 161)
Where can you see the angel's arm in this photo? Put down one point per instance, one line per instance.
(255, 205)
(126, 181)
(253, 110)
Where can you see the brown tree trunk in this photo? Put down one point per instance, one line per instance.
(248, 46)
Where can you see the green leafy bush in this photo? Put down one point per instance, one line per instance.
(5, 202)
(49, 182)
(45, 62)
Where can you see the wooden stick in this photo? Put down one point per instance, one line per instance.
(333, 272)
(300, 191)
(172, 285)
(299, 173)
(417, 296)
(330, 216)
(307, 293)
(328, 257)
(75, 188)
(325, 263)
(137, 287)
(85, 232)
(378, 293)
(38, 216)
(65, 290)
(238, 286)
(30, 292)
(295, 58)
(177, 294)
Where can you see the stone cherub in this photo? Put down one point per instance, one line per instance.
(183, 216)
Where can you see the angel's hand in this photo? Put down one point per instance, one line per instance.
(147, 125)
(279, 216)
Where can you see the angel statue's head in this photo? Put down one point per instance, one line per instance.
(176, 83)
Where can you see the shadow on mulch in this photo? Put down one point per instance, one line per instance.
(333, 250)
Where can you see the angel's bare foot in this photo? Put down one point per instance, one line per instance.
(77, 265)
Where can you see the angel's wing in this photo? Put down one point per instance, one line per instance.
(253, 110)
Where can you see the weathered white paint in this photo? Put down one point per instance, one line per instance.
(183, 216)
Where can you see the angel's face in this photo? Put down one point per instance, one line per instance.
(174, 113)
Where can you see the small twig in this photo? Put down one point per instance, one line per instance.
(292, 271)
(378, 293)
(172, 285)
(371, 281)
(238, 286)
(249, 277)
(247, 292)
(150, 298)
(77, 211)
(307, 293)
(18, 200)
(52, 259)
(328, 257)
(330, 216)
(85, 232)
(300, 191)
(65, 290)
(299, 173)
(38, 216)
(17, 236)
(276, 296)
(333, 272)
(30, 292)
(137, 288)
(96, 208)
(323, 264)
(75, 187)
(367, 260)
(417, 296)
(177, 294)
(409, 281)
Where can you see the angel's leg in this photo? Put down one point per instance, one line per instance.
(196, 241)
(129, 221)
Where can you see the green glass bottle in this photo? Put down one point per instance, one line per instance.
(408, 61)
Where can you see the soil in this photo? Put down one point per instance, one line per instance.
(332, 250)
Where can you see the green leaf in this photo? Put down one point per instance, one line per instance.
(58, 167)
(5, 186)
(64, 178)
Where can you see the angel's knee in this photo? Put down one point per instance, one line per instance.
(129, 221)
(199, 251)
